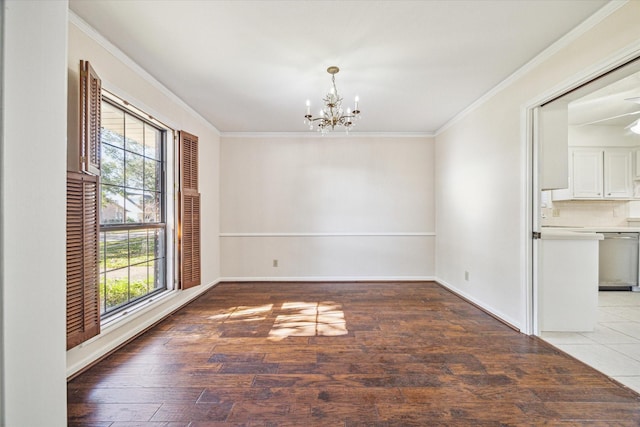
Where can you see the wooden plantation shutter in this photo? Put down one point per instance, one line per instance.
(83, 297)
(83, 223)
(90, 103)
(189, 213)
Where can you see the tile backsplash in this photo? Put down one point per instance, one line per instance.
(584, 213)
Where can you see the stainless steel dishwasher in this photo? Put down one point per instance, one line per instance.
(618, 262)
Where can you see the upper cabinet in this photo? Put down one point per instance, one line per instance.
(551, 133)
(636, 166)
(598, 173)
(587, 173)
(617, 173)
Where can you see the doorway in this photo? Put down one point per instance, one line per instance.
(594, 120)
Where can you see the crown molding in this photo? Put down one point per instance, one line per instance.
(126, 60)
(561, 43)
(299, 135)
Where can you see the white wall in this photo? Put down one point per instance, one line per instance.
(125, 79)
(33, 180)
(1, 212)
(480, 179)
(327, 207)
(602, 136)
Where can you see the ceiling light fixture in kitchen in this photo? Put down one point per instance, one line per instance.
(332, 114)
(635, 126)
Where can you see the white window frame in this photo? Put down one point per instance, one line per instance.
(170, 205)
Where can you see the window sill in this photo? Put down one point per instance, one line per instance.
(135, 310)
(123, 327)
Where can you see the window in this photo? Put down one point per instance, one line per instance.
(123, 245)
(133, 232)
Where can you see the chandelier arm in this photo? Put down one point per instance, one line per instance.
(316, 119)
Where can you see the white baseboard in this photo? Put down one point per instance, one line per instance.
(127, 327)
(491, 310)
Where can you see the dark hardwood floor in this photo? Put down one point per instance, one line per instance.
(341, 354)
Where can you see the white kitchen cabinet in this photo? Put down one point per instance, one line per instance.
(636, 161)
(617, 173)
(552, 137)
(587, 173)
(568, 281)
(598, 173)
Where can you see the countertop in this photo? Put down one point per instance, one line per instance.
(557, 233)
(601, 229)
(554, 232)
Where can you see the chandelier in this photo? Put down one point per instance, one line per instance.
(332, 114)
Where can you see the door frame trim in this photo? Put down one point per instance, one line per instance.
(531, 177)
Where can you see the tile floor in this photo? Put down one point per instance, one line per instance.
(614, 347)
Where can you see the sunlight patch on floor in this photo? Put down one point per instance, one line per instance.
(245, 313)
(309, 319)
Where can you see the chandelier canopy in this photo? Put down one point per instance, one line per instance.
(332, 114)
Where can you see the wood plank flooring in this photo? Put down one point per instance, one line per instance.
(341, 354)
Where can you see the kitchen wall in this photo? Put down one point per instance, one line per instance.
(584, 213)
(327, 207)
(481, 170)
(587, 213)
(602, 136)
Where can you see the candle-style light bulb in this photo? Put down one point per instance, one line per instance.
(357, 101)
(308, 107)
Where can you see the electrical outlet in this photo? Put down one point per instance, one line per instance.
(466, 276)
(556, 212)
(275, 262)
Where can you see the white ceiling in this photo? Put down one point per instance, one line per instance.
(249, 66)
(617, 104)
